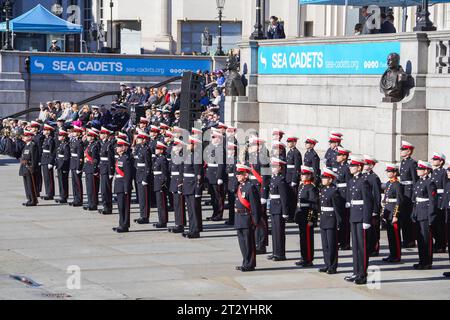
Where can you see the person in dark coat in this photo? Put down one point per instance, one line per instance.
(392, 201)
(48, 161)
(439, 177)
(123, 185)
(293, 163)
(232, 182)
(248, 215)
(275, 29)
(29, 167)
(76, 166)
(91, 169)
(331, 211)
(106, 166)
(176, 186)
(279, 209)
(161, 176)
(63, 166)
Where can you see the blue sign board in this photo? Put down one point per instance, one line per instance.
(348, 58)
(116, 66)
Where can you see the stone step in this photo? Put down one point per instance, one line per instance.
(12, 84)
(10, 76)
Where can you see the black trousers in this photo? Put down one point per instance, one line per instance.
(144, 200)
(179, 208)
(161, 203)
(77, 187)
(278, 236)
(106, 192)
(231, 203)
(63, 184)
(29, 183)
(49, 180)
(448, 234)
(262, 230)
(439, 230)
(330, 247)
(394, 239)
(425, 242)
(246, 239)
(344, 232)
(217, 199)
(374, 246)
(38, 181)
(306, 241)
(92, 190)
(408, 230)
(293, 201)
(123, 203)
(360, 249)
(195, 214)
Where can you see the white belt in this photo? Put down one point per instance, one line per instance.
(305, 205)
(60, 156)
(231, 175)
(136, 157)
(104, 158)
(213, 165)
(327, 209)
(252, 178)
(275, 196)
(118, 176)
(418, 199)
(175, 173)
(140, 164)
(391, 200)
(46, 151)
(341, 185)
(406, 183)
(290, 166)
(74, 154)
(357, 202)
(440, 190)
(156, 173)
(153, 155)
(189, 175)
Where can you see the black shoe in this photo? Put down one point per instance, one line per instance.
(331, 271)
(427, 267)
(229, 223)
(279, 258)
(216, 219)
(177, 229)
(57, 200)
(77, 205)
(346, 247)
(92, 209)
(351, 278)
(142, 221)
(438, 250)
(62, 201)
(361, 280)
(47, 198)
(85, 208)
(446, 274)
(418, 266)
(30, 204)
(193, 236)
(411, 244)
(270, 257)
(386, 259)
(120, 230)
(185, 234)
(391, 259)
(323, 269)
(104, 212)
(299, 263)
(244, 269)
(261, 251)
(160, 225)
(374, 254)
(307, 264)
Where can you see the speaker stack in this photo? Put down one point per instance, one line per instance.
(190, 108)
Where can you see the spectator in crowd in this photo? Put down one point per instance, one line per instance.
(85, 115)
(204, 100)
(275, 30)
(75, 112)
(153, 98)
(122, 97)
(358, 29)
(54, 47)
(387, 25)
(144, 96)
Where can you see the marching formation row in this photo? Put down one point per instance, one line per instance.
(345, 199)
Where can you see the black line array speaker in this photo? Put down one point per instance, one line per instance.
(190, 107)
(136, 112)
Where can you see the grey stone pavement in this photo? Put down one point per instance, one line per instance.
(41, 242)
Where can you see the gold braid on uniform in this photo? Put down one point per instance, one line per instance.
(396, 209)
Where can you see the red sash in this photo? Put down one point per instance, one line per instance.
(256, 174)
(87, 156)
(119, 171)
(242, 200)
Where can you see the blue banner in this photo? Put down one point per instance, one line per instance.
(116, 66)
(349, 58)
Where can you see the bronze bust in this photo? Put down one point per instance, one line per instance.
(394, 80)
(233, 84)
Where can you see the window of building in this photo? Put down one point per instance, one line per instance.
(191, 35)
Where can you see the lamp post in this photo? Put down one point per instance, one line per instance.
(424, 23)
(7, 10)
(220, 6)
(111, 6)
(258, 33)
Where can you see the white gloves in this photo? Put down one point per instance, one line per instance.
(144, 183)
(78, 171)
(347, 204)
(285, 216)
(293, 184)
(111, 177)
(198, 196)
(366, 226)
(263, 201)
(219, 182)
(50, 166)
(374, 214)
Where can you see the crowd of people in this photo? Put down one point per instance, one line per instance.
(168, 168)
